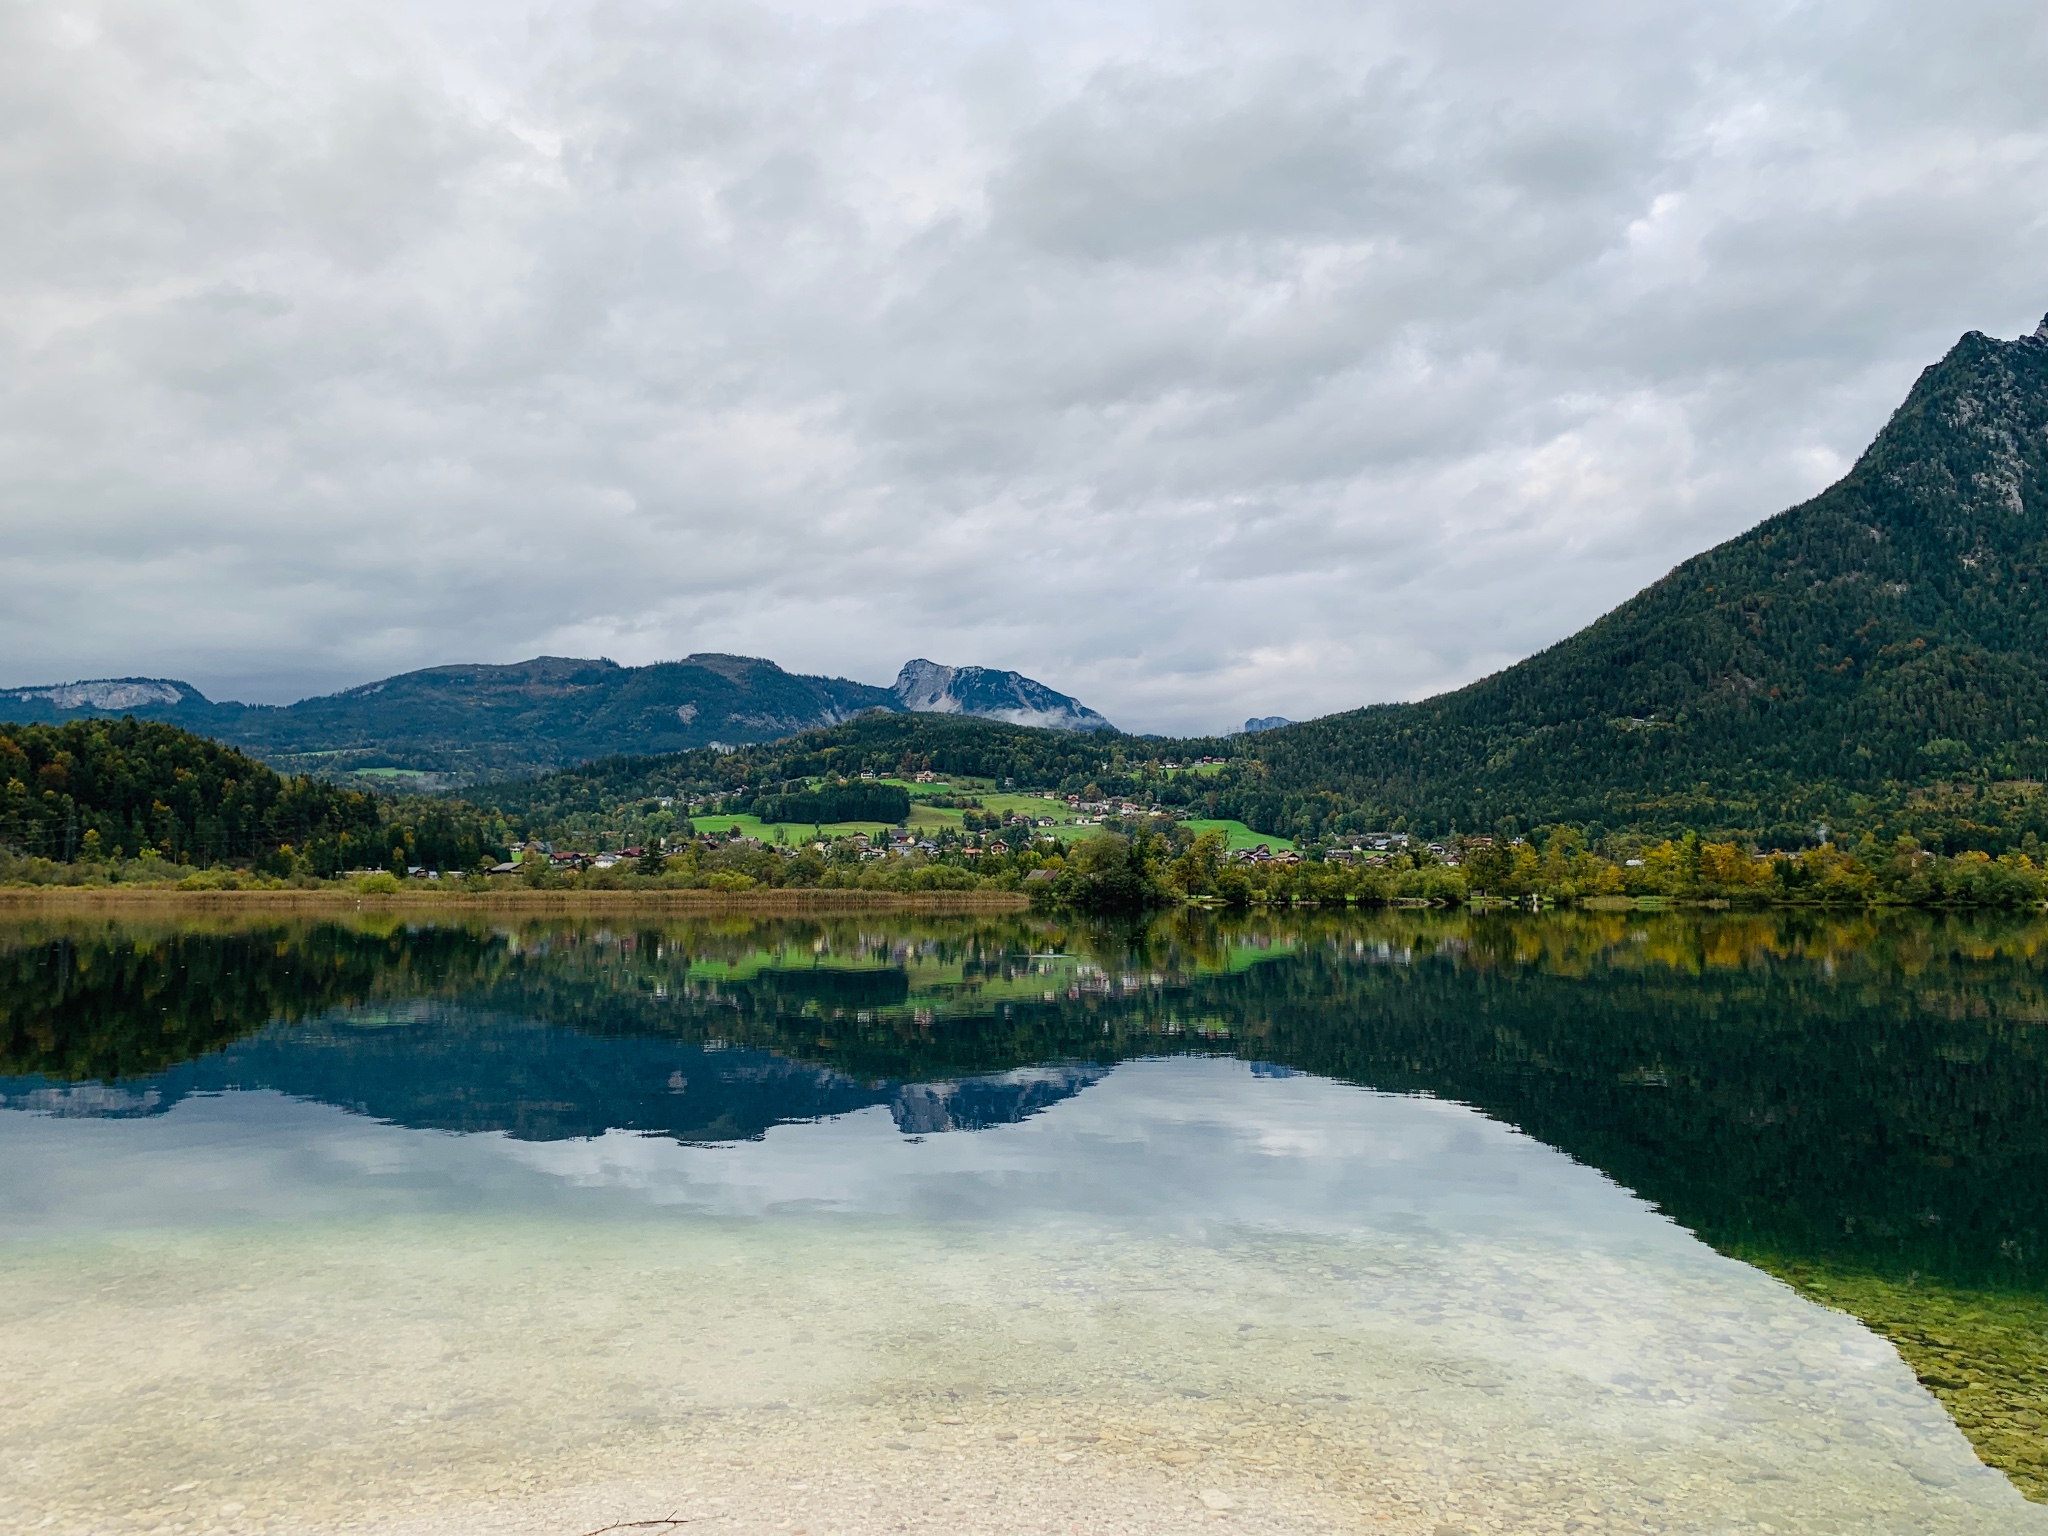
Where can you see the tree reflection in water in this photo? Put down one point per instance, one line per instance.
(1859, 1105)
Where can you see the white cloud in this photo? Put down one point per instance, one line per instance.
(1202, 359)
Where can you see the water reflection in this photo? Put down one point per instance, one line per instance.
(1857, 1105)
(440, 1066)
(1863, 1091)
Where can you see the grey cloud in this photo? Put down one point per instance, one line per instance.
(1205, 360)
(1140, 165)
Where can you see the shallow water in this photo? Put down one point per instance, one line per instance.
(424, 1259)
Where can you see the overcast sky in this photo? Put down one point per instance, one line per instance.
(1200, 359)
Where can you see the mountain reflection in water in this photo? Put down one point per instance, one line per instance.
(1839, 1099)
(447, 1067)
(1867, 1091)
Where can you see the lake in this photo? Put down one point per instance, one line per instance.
(1300, 1222)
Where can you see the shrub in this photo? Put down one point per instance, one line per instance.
(211, 880)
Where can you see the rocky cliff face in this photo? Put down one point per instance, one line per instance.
(926, 688)
(109, 694)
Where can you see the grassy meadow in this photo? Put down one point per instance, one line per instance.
(927, 819)
(1237, 835)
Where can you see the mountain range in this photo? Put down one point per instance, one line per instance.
(1874, 652)
(1875, 658)
(457, 724)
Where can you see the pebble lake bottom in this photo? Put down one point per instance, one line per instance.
(1195, 1296)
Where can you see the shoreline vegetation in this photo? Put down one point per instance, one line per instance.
(1127, 867)
(128, 803)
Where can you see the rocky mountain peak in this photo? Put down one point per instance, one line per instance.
(927, 688)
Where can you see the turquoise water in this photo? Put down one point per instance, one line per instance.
(918, 1226)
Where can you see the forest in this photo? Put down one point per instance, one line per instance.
(127, 791)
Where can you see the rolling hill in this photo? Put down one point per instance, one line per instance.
(111, 789)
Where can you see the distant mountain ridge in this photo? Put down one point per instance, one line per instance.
(461, 723)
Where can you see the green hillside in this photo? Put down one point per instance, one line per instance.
(622, 796)
(1889, 635)
(108, 789)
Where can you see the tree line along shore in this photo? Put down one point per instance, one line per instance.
(1136, 869)
(128, 803)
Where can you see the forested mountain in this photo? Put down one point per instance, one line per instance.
(466, 722)
(1891, 633)
(463, 723)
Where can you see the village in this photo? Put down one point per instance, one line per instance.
(1065, 819)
